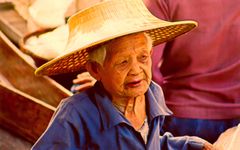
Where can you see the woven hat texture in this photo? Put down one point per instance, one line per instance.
(106, 21)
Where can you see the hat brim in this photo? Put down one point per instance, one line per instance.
(75, 60)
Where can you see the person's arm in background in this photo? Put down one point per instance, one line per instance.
(82, 82)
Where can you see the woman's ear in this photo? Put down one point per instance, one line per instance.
(93, 69)
(151, 51)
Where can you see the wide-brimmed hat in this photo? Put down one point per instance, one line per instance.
(106, 21)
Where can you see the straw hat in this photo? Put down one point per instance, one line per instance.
(105, 21)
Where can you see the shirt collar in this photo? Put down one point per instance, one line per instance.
(156, 105)
(110, 115)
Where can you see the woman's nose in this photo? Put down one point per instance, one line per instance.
(135, 68)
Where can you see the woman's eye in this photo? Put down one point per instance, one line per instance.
(123, 62)
(143, 58)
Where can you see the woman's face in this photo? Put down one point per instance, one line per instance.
(126, 71)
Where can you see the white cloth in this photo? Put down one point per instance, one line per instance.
(144, 130)
(49, 13)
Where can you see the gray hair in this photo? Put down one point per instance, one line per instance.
(99, 53)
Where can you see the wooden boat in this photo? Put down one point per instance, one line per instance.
(27, 102)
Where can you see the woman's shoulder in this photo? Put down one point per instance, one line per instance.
(80, 102)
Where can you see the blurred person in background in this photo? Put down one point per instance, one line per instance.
(200, 72)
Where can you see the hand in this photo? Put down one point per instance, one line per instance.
(83, 82)
(229, 139)
(208, 146)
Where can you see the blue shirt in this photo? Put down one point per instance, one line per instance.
(89, 121)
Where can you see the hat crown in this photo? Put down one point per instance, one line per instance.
(107, 12)
(104, 20)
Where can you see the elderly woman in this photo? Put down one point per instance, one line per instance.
(124, 109)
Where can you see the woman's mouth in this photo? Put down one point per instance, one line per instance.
(134, 84)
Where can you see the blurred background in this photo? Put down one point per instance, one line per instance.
(32, 32)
